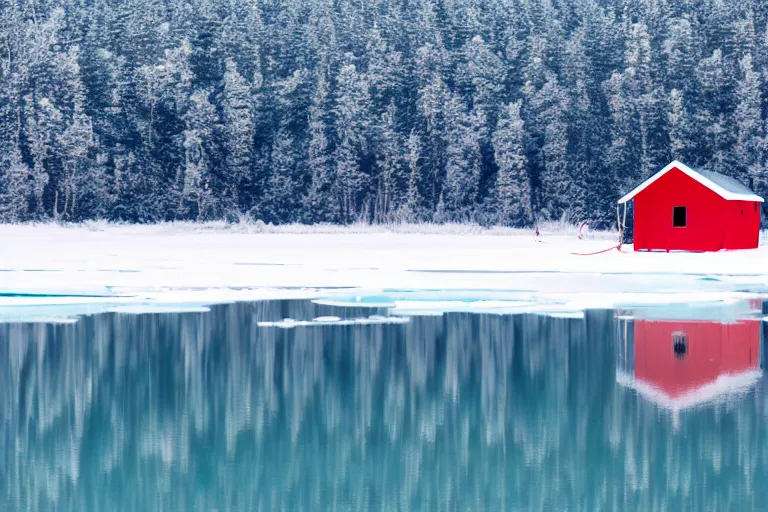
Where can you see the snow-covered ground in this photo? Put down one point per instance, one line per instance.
(105, 268)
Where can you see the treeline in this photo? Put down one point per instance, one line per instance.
(495, 111)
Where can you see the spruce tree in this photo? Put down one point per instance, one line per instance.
(513, 186)
(318, 204)
(14, 188)
(414, 209)
(749, 150)
(463, 160)
(238, 117)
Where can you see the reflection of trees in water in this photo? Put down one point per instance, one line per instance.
(202, 411)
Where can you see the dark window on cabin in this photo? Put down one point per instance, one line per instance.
(679, 344)
(679, 217)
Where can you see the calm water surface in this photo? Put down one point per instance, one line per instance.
(213, 411)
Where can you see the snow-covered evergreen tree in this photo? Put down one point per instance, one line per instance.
(352, 128)
(237, 114)
(14, 188)
(282, 199)
(414, 208)
(44, 121)
(319, 204)
(197, 192)
(389, 166)
(750, 127)
(463, 160)
(715, 140)
(679, 126)
(513, 185)
(482, 74)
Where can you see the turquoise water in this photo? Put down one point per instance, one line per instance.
(210, 411)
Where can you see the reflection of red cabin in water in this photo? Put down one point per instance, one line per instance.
(679, 363)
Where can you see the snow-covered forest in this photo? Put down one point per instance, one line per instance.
(496, 111)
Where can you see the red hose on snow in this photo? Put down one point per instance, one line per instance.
(614, 248)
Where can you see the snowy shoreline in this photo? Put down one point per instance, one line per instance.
(93, 269)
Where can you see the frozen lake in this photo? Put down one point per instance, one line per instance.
(359, 403)
(64, 271)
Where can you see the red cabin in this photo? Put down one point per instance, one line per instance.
(679, 209)
(680, 363)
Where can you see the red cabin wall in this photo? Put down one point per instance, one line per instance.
(742, 229)
(706, 211)
(713, 223)
(714, 349)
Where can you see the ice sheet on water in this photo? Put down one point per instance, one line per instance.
(67, 311)
(24, 305)
(431, 301)
(357, 301)
(399, 302)
(151, 309)
(56, 293)
(39, 320)
(703, 304)
(289, 323)
(569, 315)
(721, 311)
(405, 303)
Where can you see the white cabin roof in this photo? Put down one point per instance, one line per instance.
(724, 186)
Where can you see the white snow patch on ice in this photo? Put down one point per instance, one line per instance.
(146, 309)
(289, 323)
(575, 315)
(21, 319)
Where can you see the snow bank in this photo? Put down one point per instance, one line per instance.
(64, 267)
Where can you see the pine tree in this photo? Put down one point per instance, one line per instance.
(414, 208)
(350, 182)
(619, 157)
(587, 197)
(463, 160)
(382, 70)
(513, 187)
(712, 111)
(389, 166)
(556, 187)
(681, 53)
(281, 204)
(432, 96)
(679, 127)
(319, 205)
(198, 194)
(237, 114)
(549, 146)
(750, 128)
(14, 188)
(352, 128)
(638, 81)
(43, 120)
(482, 74)
(75, 142)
